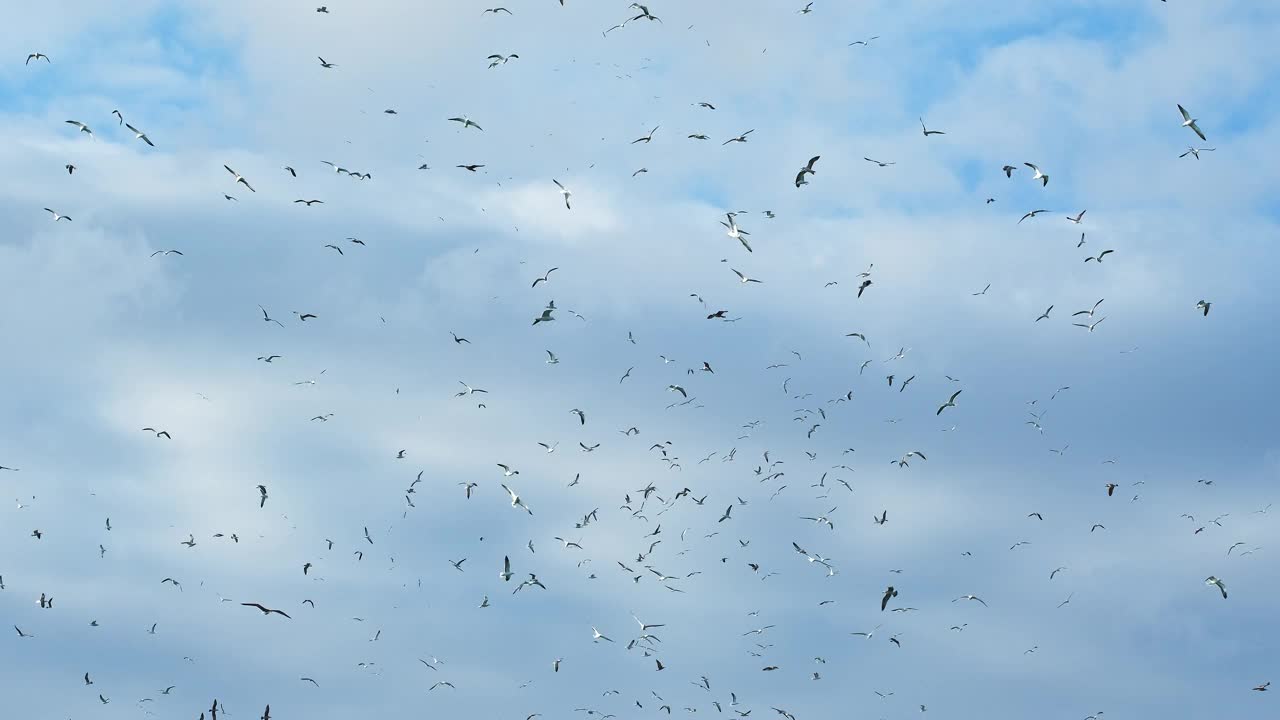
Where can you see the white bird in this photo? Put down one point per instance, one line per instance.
(507, 471)
(1211, 580)
(240, 179)
(466, 123)
(971, 597)
(565, 192)
(1190, 122)
(1092, 325)
(552, 359)
(138, 134)
(807, 170)
(1090, 311)
(516, 502)
(83, 128)
(735, 232)
(744, 279)
(505, 574)
(597, 636)
(1195, 151)
(950, 402)
(1203, 305)
(56, 216)
(1044, 179)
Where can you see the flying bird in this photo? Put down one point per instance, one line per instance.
(951, 402)
(240, 179)
(1222, 587)
(1190, 122)
(563, 191)
(266, 610)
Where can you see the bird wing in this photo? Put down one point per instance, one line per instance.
(557, 182)
(812, 160)
(1185, 114)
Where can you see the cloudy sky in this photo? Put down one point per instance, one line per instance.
(102, 338)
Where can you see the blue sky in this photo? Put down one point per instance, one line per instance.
(105, 339)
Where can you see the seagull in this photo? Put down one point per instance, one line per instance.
(546, 277)
(166, 252)
(496, 60)
(950, 402)
(1045, 316)
(496, 10)
(863, 42)
(309, 203)
(889, 593)
(735, 232)
(1195, 151)
(563, 191)
(268, 318)
(971, 597)
(507, 471)
(1203, 305)
(740, 139)
(1008, 170)
(807, 170)
(57, 216)
(743, 279)
(516, 501)
(582, 417)
(266, 610)
(505, 574)
(1077, 218)
(83, 128)
(544, 317)
(240, 179)
(466, 123)
(1044, 179)
(1088, 312)
(597, 636)
(1031, 214)
(1188, 121)
(1211, 580)
(647, 138)
(326, 65)
(139, 135)
(37, 56)
(877, 162)
(551, 358)
(927, 132)
(984, 290)
(1099, 256)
